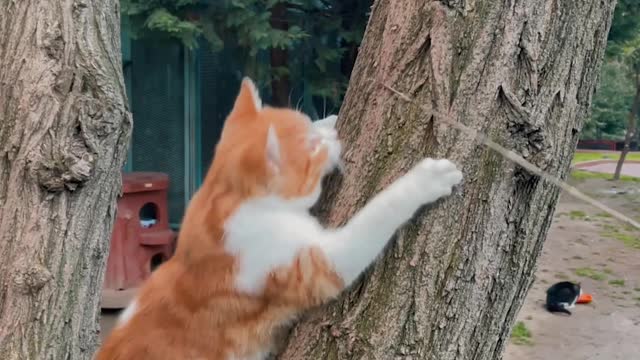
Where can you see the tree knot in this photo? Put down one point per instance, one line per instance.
(68, 168)
(528, 136)
(31, 278)
(461, 6)
(53, 41)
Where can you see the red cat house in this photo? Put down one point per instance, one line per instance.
(141, 238)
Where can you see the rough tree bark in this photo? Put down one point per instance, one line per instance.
(64, 130)
(451, 284)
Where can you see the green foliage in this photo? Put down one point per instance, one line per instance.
(614, 96)
(611, 103)
(250, 22)
(162, 18)
(631, 55)
(317, 34)
(625, 25)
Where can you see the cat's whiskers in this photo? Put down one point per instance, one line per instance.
(298, 106)
(324, 107)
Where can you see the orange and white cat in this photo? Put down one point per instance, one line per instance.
(249, 256)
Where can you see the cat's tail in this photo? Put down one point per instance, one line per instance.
(558, 308)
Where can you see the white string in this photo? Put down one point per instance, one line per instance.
(510, 155)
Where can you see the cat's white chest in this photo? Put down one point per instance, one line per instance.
(265, 237)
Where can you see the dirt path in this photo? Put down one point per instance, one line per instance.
(629, 168)
(602, 255)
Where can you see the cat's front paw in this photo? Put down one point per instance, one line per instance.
(432, 179)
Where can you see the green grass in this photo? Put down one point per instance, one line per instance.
(604, 215)
(582, 175)
(636, 289)
(577, 215)
(520, 335)
(627, 239)
(590, 156)
(616, 282)
(590, 273)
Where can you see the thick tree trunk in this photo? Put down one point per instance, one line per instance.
(631, 130)
(452, 283)
(64, 130)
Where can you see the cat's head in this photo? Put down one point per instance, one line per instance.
(577, 287)
(275, 151)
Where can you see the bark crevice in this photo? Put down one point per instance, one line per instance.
(450, 285)
(64, 129)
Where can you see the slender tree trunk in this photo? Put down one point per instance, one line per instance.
(280, 58)
(631, 130)
(452, 283)
(64, 130)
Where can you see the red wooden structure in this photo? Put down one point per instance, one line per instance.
(141, 238)
(597, 144)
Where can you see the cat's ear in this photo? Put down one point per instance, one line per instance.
(273, 150)
(248, 101)
(328, 122)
